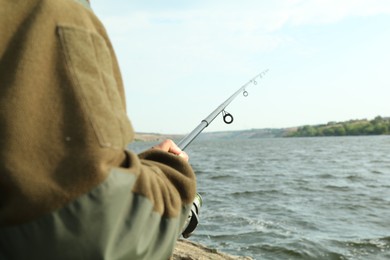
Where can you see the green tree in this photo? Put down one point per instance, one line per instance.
(367, 129)
(377, 126)
(328, 131)
(309, 131)
(339, 130)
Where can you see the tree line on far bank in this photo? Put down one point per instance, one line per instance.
(378, 126)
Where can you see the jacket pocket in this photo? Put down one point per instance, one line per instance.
(90, 67)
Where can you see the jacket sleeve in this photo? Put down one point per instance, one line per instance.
(110, 222)
(69, 187)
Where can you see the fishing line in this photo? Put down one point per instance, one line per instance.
(227, 117)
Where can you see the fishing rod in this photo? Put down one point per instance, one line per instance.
(193, 218)
(227, 117)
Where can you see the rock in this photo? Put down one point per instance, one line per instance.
(187, 250)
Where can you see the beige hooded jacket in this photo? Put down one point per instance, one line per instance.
(69, 189)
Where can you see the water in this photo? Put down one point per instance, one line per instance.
(295, 198)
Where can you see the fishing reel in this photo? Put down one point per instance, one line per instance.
(193, 218)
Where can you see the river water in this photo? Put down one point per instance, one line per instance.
(294, 198)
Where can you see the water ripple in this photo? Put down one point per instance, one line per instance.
(295, 198)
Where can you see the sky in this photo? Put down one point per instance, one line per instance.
(327, 60)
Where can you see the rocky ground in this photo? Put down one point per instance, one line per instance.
(187, 250)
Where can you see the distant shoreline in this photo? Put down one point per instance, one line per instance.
(362, 127)
(150, 137)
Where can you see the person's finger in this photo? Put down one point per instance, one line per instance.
(174, 149)
(165, 145)
(184, 155)
(170, 147)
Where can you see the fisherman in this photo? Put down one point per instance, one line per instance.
(69, 188)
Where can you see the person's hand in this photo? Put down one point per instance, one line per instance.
(170, 147)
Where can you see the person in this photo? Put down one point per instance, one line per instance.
(69, 187)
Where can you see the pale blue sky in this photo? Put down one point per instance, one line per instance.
(328, 60)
